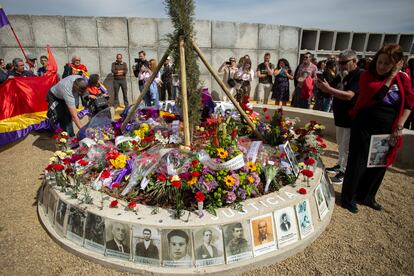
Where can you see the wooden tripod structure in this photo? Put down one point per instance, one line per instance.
(183, 81)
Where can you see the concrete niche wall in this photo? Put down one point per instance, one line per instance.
(98, 39)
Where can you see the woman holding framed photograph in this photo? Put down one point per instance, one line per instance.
(385, 101)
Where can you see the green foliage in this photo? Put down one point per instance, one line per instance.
(182, 13)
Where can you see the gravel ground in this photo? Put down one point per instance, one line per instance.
(369, 243)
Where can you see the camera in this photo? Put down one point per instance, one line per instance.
(228, 63)
(320, 76)
(136, 60)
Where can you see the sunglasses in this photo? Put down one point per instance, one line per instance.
(344, 62)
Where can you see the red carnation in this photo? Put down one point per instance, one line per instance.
(66, 161)
(319, 138)
(176, 184)
(309, 161)
(194, 162)
(132, 204)
(115, 185)
(105, 174)
(55, 136)
(302, 191)
(283, 155)
(199, 196)
(113, 204)
(195, 174)
(161, 177)
(265, 109)
(267, 117)
(83, 162)
(134, 142)
(307, 173)
(151, 132)
(323, 145)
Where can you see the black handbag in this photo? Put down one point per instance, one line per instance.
(99, 104)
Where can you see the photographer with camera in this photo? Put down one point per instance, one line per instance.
(137, 68)
(94, 99)
(152, 97)
(229, 68)
(323, 100)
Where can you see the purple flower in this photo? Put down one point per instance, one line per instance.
(256, 178)
(241, 193)
(230, 197)
(236, 177)
(185, 176)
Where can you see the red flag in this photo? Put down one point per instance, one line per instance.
(52, 68)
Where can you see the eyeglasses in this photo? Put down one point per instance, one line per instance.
(344, 62)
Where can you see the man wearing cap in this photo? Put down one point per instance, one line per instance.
(229, 68)
(61, 100)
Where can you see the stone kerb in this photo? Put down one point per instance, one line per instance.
(319, 201)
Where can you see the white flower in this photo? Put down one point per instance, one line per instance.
(62, 140)
(53, 159)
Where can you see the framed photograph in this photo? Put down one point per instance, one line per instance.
(304, 218)
(378, 150)
(290, 157)
(320, 202)
(327, 188)
(51, 207)
(208, 245)
(177, 248)
(76, 225)
(118, 239)
(237, 241)
(286, 226)
(45, 198)
(95, 233)
(60, 217)
(147, 245)
(263, 234)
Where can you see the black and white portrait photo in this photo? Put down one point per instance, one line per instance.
(378, 150)
(286, 226)
(208, 244)
(237, 241)
(95, 232)
(51, 207)
(305, 219)
(290, 156)
(76, 222)
(117, 239)
(320, 202)
(177, 248)
(147, 241)
(60, 216)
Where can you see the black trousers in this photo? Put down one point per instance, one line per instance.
(64, 119)
(360, 182)
(166, 92)
(123, 85)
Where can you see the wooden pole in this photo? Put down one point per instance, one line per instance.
(225, 89)
(145, 90)
(183, 75)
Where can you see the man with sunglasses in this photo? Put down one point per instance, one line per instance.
(344, 100)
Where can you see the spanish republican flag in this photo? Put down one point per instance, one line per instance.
(3, 18)
(23, 104)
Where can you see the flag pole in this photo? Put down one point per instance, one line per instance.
(5, 21)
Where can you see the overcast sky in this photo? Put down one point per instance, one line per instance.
(394, 16)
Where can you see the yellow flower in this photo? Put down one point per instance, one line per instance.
(144, 127)
(60, 154)
(192, 181)
(294, 147)
(251, 166)
(229, 180)
(250, 179)
(222, 153)
(119, 162)
(63, 140)
(64, 133)
(319, 126)
(301, 165)
(53, 159)
(175, 178)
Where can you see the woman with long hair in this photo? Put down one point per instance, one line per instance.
(280, 89)
(385, 101)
